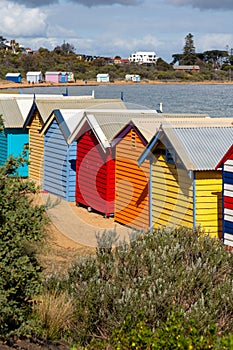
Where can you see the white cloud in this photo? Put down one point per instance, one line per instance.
(18, 21)
(214, 42)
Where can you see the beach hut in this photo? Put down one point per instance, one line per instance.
(59, 175)
(133, 77)
(14, 138)
(53, 77)
(70, 77)
(132, 196)
(38, 115)
(34, 77)
(95, 164)
(64, 77)
(185, 189)
(226, 164)
(15, 77)
(102, 78)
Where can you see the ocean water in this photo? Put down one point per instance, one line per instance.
(215, 100)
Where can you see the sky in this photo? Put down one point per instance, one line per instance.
(119, 27)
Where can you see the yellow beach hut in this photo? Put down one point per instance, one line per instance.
(185, 189)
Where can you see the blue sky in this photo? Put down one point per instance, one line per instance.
(119, 27)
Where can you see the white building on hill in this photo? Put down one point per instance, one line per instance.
(143, 57)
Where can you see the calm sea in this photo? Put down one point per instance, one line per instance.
(216, 100)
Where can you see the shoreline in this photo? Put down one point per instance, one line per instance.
(5, 85)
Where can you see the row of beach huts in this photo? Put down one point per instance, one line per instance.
(37, 77)
(62, 77)
(147, 169)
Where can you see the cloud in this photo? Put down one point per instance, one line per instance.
(205, 4)
(32, 21)
(91, 3)
(214, 41)
(36, 3)
(87, 3)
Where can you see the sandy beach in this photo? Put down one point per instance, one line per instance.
(4, 84)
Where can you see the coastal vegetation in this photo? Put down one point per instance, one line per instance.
(164, 289)
(214, 64)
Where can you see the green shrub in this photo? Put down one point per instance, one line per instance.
(21, 225)
(163, 272)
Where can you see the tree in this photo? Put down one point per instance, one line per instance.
(177, 57)
(65, 49)
(189, 55)
(162, 65)
(215, 57)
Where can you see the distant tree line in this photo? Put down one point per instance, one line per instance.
(214, 64)
(216, 58)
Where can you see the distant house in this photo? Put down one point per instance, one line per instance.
(187, 68)
(102, 78)
(15, 77)
(141, 57)
(53, 77)
(119, 60)
(133, 77)
(34, 77)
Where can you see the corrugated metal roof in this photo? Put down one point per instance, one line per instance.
(12, 111)
(68, 120)
(185, 115)
(45, 107)
(147, 121)
(200, 148)
(149, 126)
(13, 74)
(112, 122)
(25, 106)
(34, 73)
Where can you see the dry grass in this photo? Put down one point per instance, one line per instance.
(56, 314)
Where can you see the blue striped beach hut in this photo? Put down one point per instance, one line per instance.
(226, 164)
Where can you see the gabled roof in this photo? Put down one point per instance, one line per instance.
(225, 157)
(13, 74)
(46, 106)
(110, 123)
(147, 125)
(66, 119)
(53, 73)
(107, 123)
(33, 73)
(14, 111)
(199, 147)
